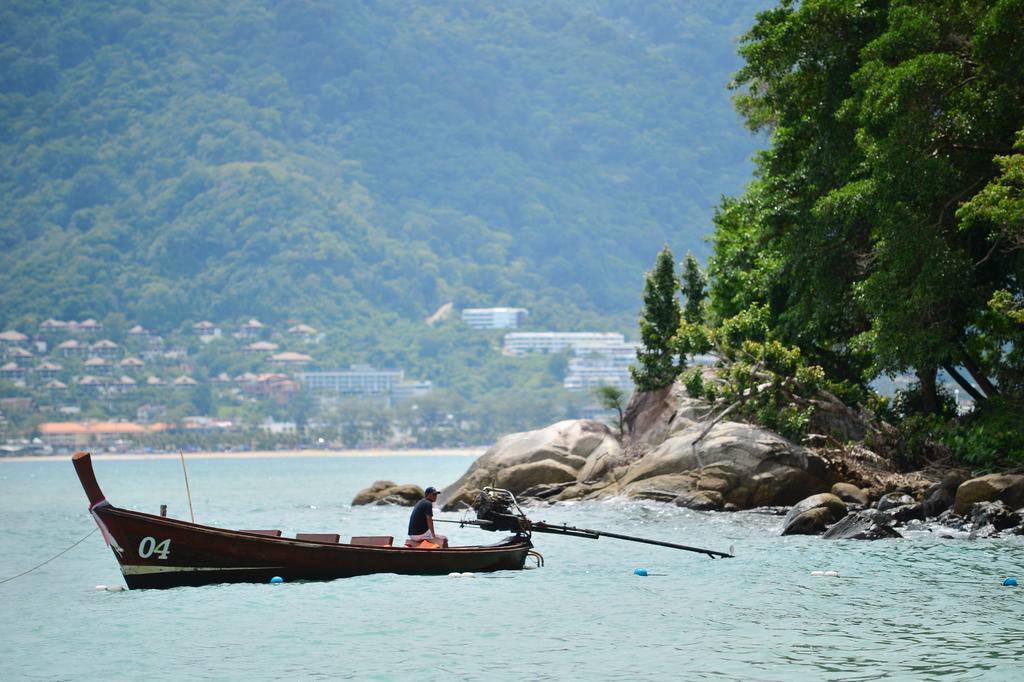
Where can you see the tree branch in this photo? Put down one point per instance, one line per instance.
(714, 421)
(964, 384)
(979, 377)
(981, 148)
(990, 251)
(956, 197)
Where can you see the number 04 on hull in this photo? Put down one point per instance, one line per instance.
(157, 552)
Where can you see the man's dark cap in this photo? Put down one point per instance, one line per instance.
(431, 490)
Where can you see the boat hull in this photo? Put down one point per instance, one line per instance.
(155, 552)
(159, 552)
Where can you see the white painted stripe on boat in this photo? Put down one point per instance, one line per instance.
(145, 570)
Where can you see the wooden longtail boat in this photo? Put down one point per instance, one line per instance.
(157, 552)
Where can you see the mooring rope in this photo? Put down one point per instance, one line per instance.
(7, 580)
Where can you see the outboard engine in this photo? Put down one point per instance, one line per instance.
(497, 510)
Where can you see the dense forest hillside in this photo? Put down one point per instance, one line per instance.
(356, 165)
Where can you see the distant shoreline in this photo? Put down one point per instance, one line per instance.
(261, 454)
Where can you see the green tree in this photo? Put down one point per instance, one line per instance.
(781, 245)
(883, 117)
(927, 124)
(692, 337)
(997, 212)
(659, 324)
(881, 234)
(693, 283)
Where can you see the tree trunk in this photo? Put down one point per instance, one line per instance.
(979, 377)
(929, 390)
(964, 383)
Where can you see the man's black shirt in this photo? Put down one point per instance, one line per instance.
(418, 518)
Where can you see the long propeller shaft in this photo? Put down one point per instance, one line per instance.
(542, 527)
(562, 529)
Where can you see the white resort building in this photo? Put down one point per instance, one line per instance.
(494, 318)
(598, 358)
(599, 365)
(362, 380)
(521, 343)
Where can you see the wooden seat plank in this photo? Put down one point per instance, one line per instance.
(318, 537)
(373, 540)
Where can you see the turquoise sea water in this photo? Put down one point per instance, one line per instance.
(916, 608)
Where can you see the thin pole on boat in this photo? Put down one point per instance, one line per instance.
(188, 492)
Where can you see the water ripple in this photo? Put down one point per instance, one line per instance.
(917, 608)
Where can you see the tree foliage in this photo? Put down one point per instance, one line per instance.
(693, 284)
(659, 324)
(882, 231)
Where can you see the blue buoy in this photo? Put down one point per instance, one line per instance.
(276, 580)
(1010, 582)
(640, 571)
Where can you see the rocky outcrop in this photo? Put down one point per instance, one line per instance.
(582, 452)
(672, 454)
(737, 464)
(813, 515)
(1008, 488)
(676, 452)
(977, 519)
(654, 416)
(389, 492)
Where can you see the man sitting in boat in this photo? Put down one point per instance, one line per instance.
(421, 522)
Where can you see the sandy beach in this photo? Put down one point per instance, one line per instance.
(262, 454)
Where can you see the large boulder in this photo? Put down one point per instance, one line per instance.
(907, 512)
(995, 514)
(813, 515)
(520, 477)
(891, 501)
(1008, 488)
(942, 495)
(831, 417)
(565, 452)
(868, 524)
(701, 500)
(388, 492)
(648, 414)
(544, 491)
(653, 416)
(601, 461)
(746, 465)
(665, 488)
(850, 494)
